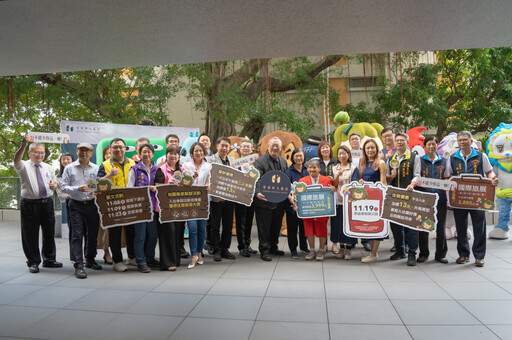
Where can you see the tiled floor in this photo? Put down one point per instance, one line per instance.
(252, 299)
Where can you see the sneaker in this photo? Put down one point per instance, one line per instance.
(143, 268)
(311, 255)
(370, 258)
(397, 256)
(411, 260)
(305, 250)
(341, 253)
(120, 267)
(348, 254)
(320, 255)
(462, 259)
(295, 255)
(80, 273)
(131, 262)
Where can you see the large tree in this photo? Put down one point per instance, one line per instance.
(38, 102)
(252, 93)
(462, 90)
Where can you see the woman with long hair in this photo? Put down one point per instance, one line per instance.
(200, 171)
(372, 169)
(168, 233)
(344, 173)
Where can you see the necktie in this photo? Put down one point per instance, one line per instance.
(40, 182)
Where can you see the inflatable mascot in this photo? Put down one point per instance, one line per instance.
(499, 150)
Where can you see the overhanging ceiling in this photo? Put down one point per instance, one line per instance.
(43, 36)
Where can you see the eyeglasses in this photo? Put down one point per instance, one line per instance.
(38, 153)
(463, 140)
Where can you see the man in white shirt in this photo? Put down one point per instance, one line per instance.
(36, 208)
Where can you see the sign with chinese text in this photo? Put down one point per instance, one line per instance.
(182, 203)
(412, 209)
(362, 209)
(316, 201)
(233, 185)
(473, 192)
(436, 183)
(237, 164)
(44, 137)
(276, 186)
(124, 206)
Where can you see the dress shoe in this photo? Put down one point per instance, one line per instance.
(33, 268)
(422, 259)
(226, 254)
(266, 257)
(107, 261)
(245, 253)
(462, 259)
(52, 264)
(397, 256)
(153, 263)
(393, 249)
(184, 254)
(277, 252)
(366, 246)
(411, 260)
(441, 259)
(251, 251)
(479, 262)
(93, 265)
(80, 273)
(217, 256)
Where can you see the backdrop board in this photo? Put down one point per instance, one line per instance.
(182, 203)
(473, 192)
(124, 206)
(412, 209)
(232, 185)
(316, 201)
(362, 209)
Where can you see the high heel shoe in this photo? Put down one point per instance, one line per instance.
(200, 262)
(107, 262)
(192, 262)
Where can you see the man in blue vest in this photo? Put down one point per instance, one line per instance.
(404, 174)
(470, 161)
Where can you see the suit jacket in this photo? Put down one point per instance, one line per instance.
(216, 159)
(266, 164)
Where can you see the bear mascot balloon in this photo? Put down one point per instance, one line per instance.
(365, 130)
(499, 150)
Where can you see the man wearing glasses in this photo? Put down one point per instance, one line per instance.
(116, 169)
(36, 208)
(404, 168)
(468, 160)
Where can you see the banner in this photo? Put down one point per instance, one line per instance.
(315, 201)
(182, 203)
(44, 137)
(275, 186)
(412, 209)
(237, 164)
(362, 209)
(473, 192)
(436, 183)
(233, 185)
(124, 206)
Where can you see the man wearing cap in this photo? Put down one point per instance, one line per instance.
(37, 181)
(82, 211)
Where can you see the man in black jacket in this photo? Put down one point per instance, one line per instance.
(269, 215)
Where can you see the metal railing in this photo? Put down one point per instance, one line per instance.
(10, 194)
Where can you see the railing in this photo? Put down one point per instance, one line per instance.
(10, 194)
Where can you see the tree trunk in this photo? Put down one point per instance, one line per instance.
(253, 129)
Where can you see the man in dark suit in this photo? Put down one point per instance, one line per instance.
(221, 209)
(269, 215)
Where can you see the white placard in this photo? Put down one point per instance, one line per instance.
(45, 137)
(247, 159)
(366, 210)
(436, 183)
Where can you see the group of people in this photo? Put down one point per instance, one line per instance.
(38, 181)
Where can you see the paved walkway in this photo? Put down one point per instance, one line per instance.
(252, 299)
